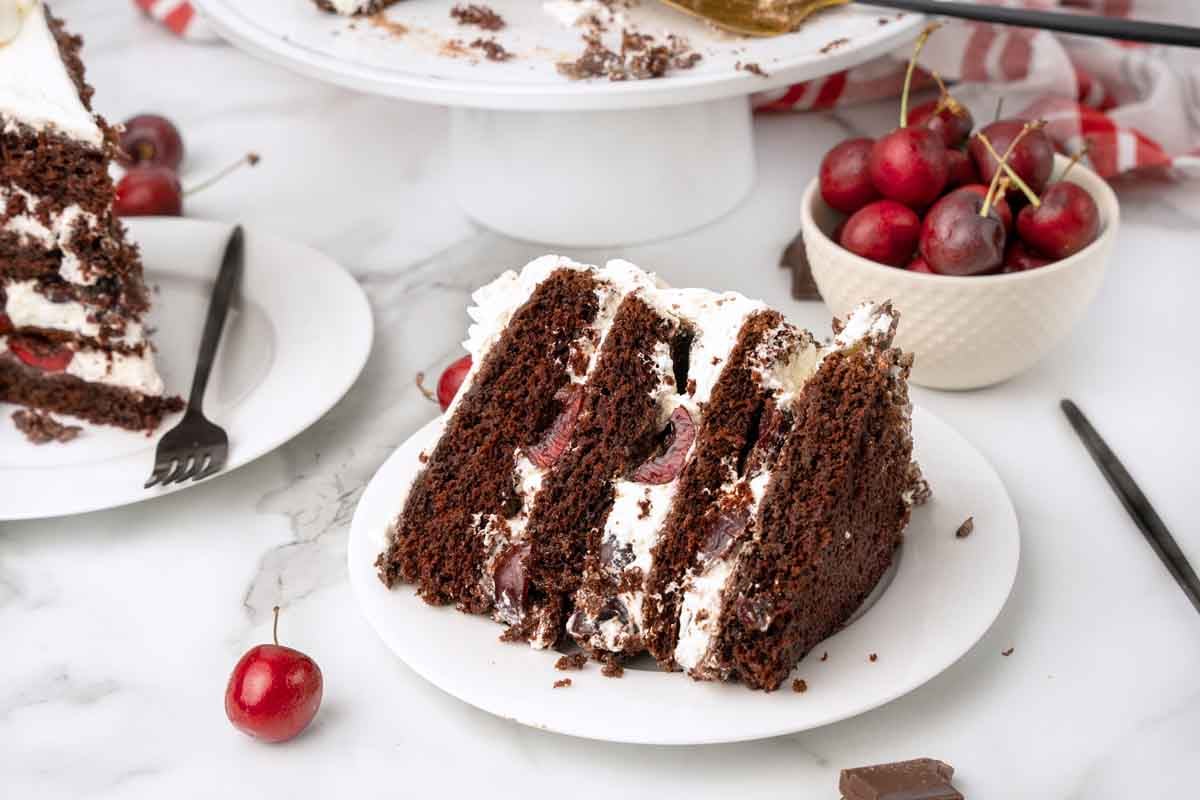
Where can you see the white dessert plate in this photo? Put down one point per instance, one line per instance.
(409, 55)
(297, 337)
(938, 601)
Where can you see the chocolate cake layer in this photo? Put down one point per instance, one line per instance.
(66, 394)
(617, 429)
(726, 433)
(831, 519)
(509, 404)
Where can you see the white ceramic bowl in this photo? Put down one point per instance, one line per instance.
(968, 332)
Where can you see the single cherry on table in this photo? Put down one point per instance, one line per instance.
(152, 140)
(274, 691)
(450, 381)
(149, 191)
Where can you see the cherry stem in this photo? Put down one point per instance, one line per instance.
(1034, 200)
(912, 66)
(250, 159)
(275, 627)
(1012, 146)
(1075, 159)
(423, 390)
(994, 194)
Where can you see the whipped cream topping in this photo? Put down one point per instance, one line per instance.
(35, 87)
(55, 236)
(572, 13)
(112, 369)
(28, 308)
(349, 7)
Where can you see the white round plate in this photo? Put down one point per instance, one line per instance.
(943, 595)
(365, 55)
(295, 342)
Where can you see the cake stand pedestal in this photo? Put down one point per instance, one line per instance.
(574, 163)
(595, 178)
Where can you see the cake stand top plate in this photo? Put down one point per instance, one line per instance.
(407, 52)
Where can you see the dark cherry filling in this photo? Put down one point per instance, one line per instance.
(724, 532)
(512, 581)
(554, 443)
(39, 353)
(679, 435)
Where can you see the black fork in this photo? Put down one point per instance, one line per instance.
(196, 448)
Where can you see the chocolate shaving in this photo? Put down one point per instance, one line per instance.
(480, 16)
(966, 529)
(795, 258)
(752, 67)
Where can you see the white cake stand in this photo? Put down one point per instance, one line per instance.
(542, 158)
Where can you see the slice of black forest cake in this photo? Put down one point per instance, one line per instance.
(72, 298)
(640, 468)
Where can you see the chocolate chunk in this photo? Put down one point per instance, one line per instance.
(919, 779)
(966, 529)
(795, 258)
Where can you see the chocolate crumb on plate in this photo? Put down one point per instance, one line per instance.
(42, 428)
(795, 258)
(799, 686)
(825, 657)
(562, 684)
(873, 657)
(1008, 652)
(492, 50)
(478, 15)
(640, 58)
(835, 44)
(919, 779)
(571, 663)
(966, 529)
(752, 67)
(612, 669)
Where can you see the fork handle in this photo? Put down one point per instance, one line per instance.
(1083, 24)
(218, 308)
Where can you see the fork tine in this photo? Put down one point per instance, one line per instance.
(216, 460)
(194, 460)
(180, 467)
(160, 471)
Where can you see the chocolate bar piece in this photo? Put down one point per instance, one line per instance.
(919, 779)
(795, 258)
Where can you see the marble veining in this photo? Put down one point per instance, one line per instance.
(118, 629)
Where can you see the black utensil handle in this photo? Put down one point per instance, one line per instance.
(218, 307)
(1136, 503)
(1085, 25)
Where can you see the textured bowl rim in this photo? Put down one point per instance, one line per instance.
(1101, 191)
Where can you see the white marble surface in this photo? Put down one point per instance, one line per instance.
(118, 629)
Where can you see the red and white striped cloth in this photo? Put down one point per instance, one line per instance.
(179, 17)
(1136, 107)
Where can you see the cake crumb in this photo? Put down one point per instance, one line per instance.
(644, 508)
(492, 50)
(42, 428)
(873, 657)
(825, 657)
(752, 67)
(966, 529)
(799, 686)
(835, 44)
(571, 663)
(1008, 652)
(612, 669)
(423, 457)
(478, 15)
(640, 58)
(691, 387)
(562, 684)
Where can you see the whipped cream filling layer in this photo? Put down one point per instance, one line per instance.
(134, 372)
(571, 13)
(57, 235)
(35, 87)
(26, 307)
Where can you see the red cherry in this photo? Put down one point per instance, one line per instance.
(950, 119)
(40, 355)
(152, 141)
(962, 169)
(838, 230)
(663, 468)
(957, 240)
(1020, 258)
(846, 177)
(909, 165)
(149, 191)
(919, 264)
(511, 579)
(1066, 221)
(1033, 158)
(556, 438)
(885, 231)
(451, 380)
(274, 692)
(1000, 204)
